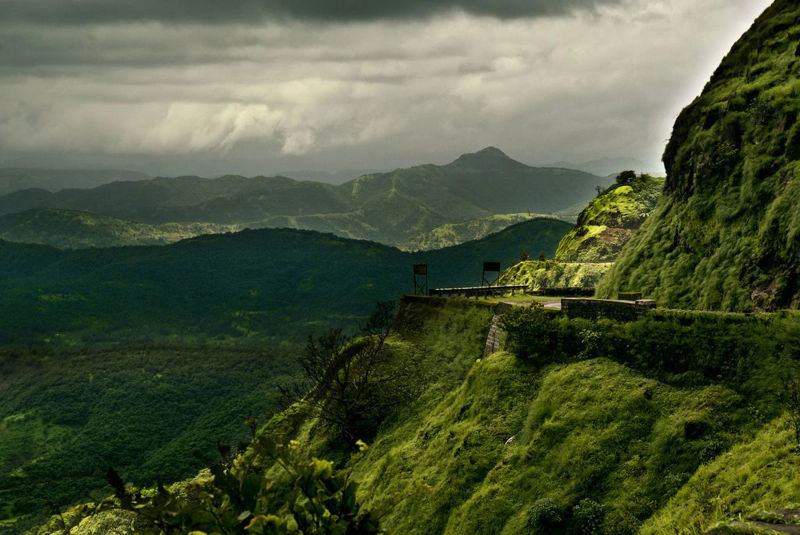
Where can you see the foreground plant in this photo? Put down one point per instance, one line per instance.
(271, 489)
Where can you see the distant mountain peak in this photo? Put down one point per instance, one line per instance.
(490, 156)
(491, 151)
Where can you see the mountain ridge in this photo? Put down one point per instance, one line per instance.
(387, 207)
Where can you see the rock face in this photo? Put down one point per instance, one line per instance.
(725, 235)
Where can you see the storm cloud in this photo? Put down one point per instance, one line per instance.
(114, 88)
(254, 11)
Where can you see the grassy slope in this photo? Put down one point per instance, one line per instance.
(152, 412)
(724, 235)
(609, 221)
(659, 453)
(754, 477)
(69, 229)
(586, 253)
(539, 275)
(581, 429)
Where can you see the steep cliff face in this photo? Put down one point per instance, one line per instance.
(725, 233)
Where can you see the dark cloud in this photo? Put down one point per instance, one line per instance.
(246, 11)
(118, 84)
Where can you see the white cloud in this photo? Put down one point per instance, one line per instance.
(597, 84)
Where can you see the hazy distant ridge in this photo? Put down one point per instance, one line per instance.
(385, 207)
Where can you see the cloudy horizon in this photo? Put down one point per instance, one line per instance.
(258, 86)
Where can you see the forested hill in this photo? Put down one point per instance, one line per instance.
(383, 207)
(725, 233)
(263, 283)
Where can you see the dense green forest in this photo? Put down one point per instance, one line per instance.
(154, 412)
(724, 234)
(383, 207)
(264, 284)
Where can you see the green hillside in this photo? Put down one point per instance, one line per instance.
(601, 435)
(452, 234)
(69, 229)
(539, 275)
(671, 424)
(384, 207)
(724, 235)
(588, 251)
(139, 392)
(610, 220)
(262, 284)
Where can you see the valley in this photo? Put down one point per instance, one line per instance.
(263, 355)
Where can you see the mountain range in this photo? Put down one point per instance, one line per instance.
(383, 207)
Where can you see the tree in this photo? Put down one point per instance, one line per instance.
(354, 383)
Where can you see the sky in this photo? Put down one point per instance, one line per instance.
(260, 86)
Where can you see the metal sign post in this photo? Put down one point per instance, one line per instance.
(490, 267)
(420, 279)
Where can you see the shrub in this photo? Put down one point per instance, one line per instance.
(588, 517)
(271, 489)
(620, 523)
(545, 517)
(533, 333)
(354, 384)
(626, 177)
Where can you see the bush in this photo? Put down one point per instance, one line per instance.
(271, 489)
(354, 384)
(545, 517)
(626, 177)
(620, 523)
(588, 517)
(532, 333)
